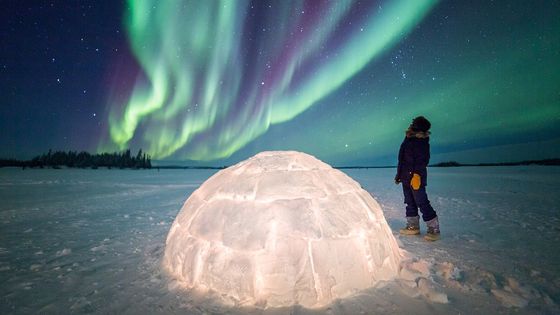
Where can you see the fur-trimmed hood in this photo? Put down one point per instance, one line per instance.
(417, 134)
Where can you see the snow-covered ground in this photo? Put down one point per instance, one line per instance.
(91, 241)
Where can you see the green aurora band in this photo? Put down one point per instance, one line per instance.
(211, 84)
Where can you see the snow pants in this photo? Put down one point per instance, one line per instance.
(415, 199)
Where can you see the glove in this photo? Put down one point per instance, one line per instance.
(397, 180)
(415, 181)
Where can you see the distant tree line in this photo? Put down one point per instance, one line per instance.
(545, 162)
(83, 160)
(527, 162)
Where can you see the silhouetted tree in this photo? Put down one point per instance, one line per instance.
(83, 159)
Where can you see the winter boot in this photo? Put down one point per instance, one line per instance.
(433, 230)
(412, 226)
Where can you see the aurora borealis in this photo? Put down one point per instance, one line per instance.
(210, 90)
(217, 81)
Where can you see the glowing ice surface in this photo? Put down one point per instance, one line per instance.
(278, 229)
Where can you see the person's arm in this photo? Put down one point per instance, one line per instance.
(421, 158)
(421, 155)
(399, 166)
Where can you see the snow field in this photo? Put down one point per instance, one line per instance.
(497, 254)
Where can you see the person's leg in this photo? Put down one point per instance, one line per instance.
(409, 200)
(412, 219)
(421, 198)
(428, 214)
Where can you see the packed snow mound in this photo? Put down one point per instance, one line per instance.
(278, 229)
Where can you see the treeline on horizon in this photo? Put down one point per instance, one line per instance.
(442, 164)
(527, 162)
(125, 159)
(544, 162)
(83, 160)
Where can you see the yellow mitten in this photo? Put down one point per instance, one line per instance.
(415, 181)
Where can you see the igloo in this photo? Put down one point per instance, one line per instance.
(278, 229)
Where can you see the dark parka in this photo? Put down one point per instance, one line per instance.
(414, 156)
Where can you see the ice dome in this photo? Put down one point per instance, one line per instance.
(278, 229)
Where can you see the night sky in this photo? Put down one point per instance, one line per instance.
(218, 81)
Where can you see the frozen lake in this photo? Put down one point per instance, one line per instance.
(90, 241)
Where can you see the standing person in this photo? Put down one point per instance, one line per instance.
(414, 155)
